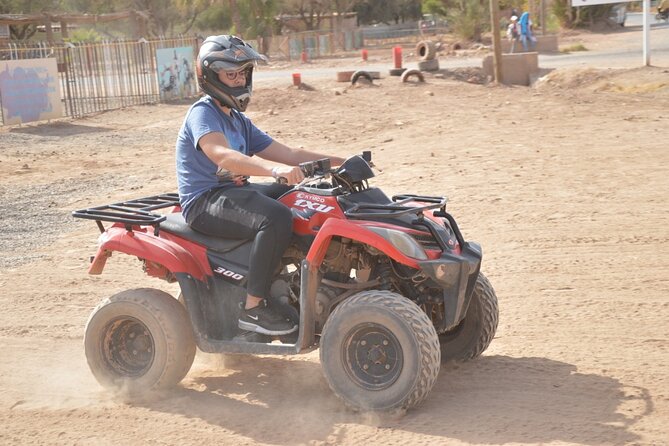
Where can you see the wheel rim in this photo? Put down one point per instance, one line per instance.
(128, 347)
(372, 356)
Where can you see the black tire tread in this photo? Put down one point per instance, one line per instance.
(489, 319)
(159, 304)
(490, 308)
(423, 329)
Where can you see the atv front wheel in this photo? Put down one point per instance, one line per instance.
(139, 340)
(474, 334)
(379, 352)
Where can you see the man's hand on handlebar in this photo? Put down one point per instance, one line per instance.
(288, 174)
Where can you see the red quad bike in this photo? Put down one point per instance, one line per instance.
(388, 289)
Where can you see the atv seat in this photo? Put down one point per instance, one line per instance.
(175, 224)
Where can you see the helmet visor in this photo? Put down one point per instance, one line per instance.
(223, 65)
(237, 55)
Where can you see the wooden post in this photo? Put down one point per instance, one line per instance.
(496, 41)
(49, 30)
(63, 29)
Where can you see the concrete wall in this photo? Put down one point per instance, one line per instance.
(545, 44)
(516, 68)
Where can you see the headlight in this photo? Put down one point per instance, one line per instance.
(402, 241)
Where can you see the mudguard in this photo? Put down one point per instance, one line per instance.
(148, 247)
(355, 231)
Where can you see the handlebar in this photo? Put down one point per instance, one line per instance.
(316, 168)
(323, 167)
(311, 169)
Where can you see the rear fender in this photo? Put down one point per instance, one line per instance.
(148, 247)
(355, 231)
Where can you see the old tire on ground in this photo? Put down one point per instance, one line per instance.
(474, 334)
(412, 73)
(396, 71)
(428, 65)
(379, 352)
(138, 341)
(426, 50)
(361, 74)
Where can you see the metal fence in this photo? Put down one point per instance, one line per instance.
(315, 44)
(96, 77)
(105, 76)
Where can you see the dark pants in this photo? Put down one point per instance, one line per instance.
(248, 212)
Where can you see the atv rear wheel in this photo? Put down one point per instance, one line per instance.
(379, 352)
(139, 340)
(474, 334)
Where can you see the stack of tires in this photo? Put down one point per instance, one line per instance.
(427, 52)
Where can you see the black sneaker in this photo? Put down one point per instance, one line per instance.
(262, 319)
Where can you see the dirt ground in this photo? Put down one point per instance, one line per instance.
(564, 185)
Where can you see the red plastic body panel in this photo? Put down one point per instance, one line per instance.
(318, 215)
(354, 230)
(174, 253)
(321, 207)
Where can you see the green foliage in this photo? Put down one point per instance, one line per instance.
(573, 48)
(436, 7)
(84, 35)
(215, 20)
(469, 19)
(579, 17)
(258, 16)
(561, 9)
(387, 11)
(552, 23)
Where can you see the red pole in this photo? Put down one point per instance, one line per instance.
(364, 54)
(304, 57)
(397, 56)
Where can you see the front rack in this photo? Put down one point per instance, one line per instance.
(397, 207)
(131, 213)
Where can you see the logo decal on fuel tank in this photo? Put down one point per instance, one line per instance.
(318, 207)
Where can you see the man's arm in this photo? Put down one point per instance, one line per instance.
(281, 153)
(215, 146)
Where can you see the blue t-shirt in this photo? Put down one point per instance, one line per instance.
(196, 173)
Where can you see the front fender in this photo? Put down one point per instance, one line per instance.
(145, 246)
(355, 231)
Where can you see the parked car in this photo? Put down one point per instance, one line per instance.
(431, 22)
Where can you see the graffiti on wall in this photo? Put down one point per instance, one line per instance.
(176, 73)
(29, 90)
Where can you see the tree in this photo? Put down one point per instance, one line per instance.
(190, 11)
(259, 19)
(23, 32)
(341, 7)
(311, 12)
(584, 15)
(469, 18)
(435, 7)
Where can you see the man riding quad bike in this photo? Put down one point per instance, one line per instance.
(387, 288)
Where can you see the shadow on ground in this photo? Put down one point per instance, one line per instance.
(58, 128)
(493, 400)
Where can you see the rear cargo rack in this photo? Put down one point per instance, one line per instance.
(137, 212)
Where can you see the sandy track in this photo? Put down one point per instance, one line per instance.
(564, 188)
